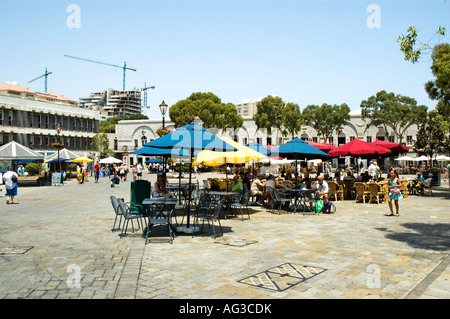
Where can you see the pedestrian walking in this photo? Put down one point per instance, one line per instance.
(112, 174)
(394, 193)
(96, 171)
(139, 171)
(10, 179)
(80, 174)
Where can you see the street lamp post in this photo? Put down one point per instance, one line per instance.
(163, 108)
(58, 139)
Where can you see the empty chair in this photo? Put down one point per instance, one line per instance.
(243, 203)
(210, 215)
(376, 192)
(336, 190)
(281, 199)
(130, 212)
(361, 192)
(117, 211)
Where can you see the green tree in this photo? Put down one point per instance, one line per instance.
(412, 48)
(439, 89)
(432, 138)
(326, 119)
(291, 119)
(209, 108)
(395, 111)
(100, 143)
(269, 113)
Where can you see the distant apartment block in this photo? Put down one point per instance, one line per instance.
(247, 108)
(113, 102)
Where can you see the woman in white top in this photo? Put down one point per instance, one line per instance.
(10, 180)
(159, 187)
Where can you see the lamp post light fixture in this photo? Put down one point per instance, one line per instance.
(58, 139)
(163, 108)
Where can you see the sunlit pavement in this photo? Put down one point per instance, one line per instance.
(56, 242)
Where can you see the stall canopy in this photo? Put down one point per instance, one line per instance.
(64, 155)
(110, 160)
(13, 151)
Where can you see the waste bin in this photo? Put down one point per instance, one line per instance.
(140, 190)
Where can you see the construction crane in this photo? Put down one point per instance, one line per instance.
(124, 67)
(45, 75)
(144, 89)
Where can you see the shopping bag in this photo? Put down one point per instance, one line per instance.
(319, 206)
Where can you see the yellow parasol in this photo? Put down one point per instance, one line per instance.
(82, 159)
(243, 155)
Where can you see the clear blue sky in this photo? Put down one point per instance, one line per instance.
(307, 52)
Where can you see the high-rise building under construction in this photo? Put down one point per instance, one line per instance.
(113, 102)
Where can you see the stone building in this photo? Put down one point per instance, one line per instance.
(31, 118)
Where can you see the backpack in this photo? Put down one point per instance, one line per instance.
(326, 208)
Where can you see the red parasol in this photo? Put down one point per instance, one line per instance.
(360, 149)
(396, 148)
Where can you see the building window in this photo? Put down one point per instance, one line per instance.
(392, 139)
(47, 121)
(245, 140)
(236, 138)
(409, 140)
(269, 141)
(1, 117)
(31, 116)
(341, 140)
(10, 118)
(314, 139)
(136, 144)
(352, 138)
(369, 139)
(143, 140)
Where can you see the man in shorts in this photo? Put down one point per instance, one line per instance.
(139, 171)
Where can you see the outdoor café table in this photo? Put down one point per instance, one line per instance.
(228, 198)
(304, 192)
(159, 203)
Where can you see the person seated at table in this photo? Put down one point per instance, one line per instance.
(237, 185)
(257, 189)
(288, 177)
(270, 183)
(321, 188)
(425, 183)
(417, 182)
(349, 176)
(246, 180)
(159, 187)
(337, 177)
(306, 178)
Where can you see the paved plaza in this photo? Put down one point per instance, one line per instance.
(56, 243)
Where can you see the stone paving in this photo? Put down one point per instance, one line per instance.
(57, 243)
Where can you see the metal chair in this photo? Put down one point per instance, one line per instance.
(129, 212)
(281, 199)
(210, 214)
(117, 211)
(243, 203)
(159, 215)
